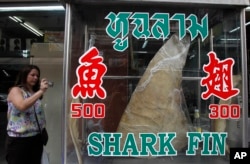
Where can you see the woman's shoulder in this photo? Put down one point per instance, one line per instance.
(15, 91)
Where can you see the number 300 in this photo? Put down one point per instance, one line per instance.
(224, 111)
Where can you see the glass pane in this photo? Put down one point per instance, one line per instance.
(227, 45)
(125, 70)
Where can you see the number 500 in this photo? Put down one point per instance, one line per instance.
(87, 110)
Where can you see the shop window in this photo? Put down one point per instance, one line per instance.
(126, 68)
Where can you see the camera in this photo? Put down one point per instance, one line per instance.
(50, 83)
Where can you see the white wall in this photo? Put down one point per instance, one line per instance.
(49, 58)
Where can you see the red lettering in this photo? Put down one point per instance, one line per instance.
(76, 110)
(235, 111)
(87, 110)
(219, 79)
(224, 111)
(99, 110)
(214, 114)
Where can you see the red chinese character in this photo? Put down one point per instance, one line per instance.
(89, 74)
(219, 80)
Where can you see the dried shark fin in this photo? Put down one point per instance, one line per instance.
(156, 104)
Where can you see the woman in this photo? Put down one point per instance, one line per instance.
(24, 143)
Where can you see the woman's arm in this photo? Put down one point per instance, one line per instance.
(16, 97)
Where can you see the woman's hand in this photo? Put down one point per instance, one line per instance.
(44, 84)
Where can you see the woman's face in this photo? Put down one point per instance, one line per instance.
(33, 77)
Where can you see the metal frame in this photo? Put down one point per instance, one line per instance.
(66, 68)
(205, 2)
(244, 79)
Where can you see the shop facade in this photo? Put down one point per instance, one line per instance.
(132, 77)
(146, 92)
